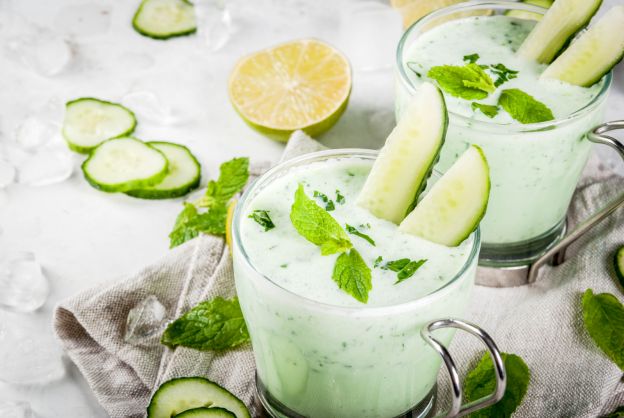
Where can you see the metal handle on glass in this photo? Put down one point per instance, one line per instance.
(556, 253)
(457, 409)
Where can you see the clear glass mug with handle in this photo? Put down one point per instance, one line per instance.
(319, 360)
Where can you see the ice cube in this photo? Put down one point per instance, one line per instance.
(44, 52)
(147, 105)
(7, 173)
(214, 23)
(15, 409)
(83, 19)
(33, 132)
(145, 322)
(47, 166)
(23, 286)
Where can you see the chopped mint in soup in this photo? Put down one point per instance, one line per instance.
(404, 267)
(378, 261)
(340, 199)
(354, 231)
(329, 204)
(471, 59)
(488, 110)
(503, 73)
(263, 219)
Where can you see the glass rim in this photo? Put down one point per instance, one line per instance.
(498, 5)
(268, 177)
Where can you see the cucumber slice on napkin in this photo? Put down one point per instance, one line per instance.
(455, 205)
(406, 160)
(164, 19)
(179, 395)
(593, 54)
(556, 28)
(89, 121)
(123, 164)
(183, 174)
(618, 264)
(206, 413)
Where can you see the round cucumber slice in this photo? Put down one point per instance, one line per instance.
(618, 264)
(406, 160)
(179, 395)
(553, 32)
(89, 121)
(183, 174)
(455, 205)
(206, 413)
(122, 164)
(521, 14)
(164, 19)
(593, 54)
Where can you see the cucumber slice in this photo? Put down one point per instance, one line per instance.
(406, 160)
(164, 19)
(455, 205)
(593, 54)
(183, 174)
(179, 395)
(521, 14)
(89, 121)
(618, 264)
(557, 27)
(206, 413)
(122, 164)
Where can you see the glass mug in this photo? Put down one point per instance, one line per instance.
(319, 360)
(530, 196)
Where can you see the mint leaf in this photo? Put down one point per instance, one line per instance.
(467, 82)
(263, 219)
(354, 231)
(183, 230)
(481, 381)
(523, 107)
(353, 275)
(471, 59)
(502, 73)
(329, 204)
(618, 413)
(488, 110)
(316, 225)
(233, 176)
(340, 199)
(377, 261)
(211, 222)
(217, 324)
(404, 267)
(603, 316)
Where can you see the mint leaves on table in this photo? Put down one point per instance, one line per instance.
(481, 382)
(523, 107)
(488, 110)
(404, 267)
(263, 219)
(472, 58)
(502, 73)
(603, 315)
(354, 231)
(353, 275)
(216, 324)
(208, 214)
(467, 82)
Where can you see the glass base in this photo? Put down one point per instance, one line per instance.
(269, 407)
(521, 253)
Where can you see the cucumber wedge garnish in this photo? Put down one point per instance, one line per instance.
(455, 205)
(405, 162)
(123, 164)
(618, 264)
(556, 28)
(90, 121)
(521, 14)
(183, 174)
(179, 395)
(206, 413)
(593, 54)
(164, 19)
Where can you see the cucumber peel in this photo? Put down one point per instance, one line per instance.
(183, 174)
(556, 28)
(618, 264)
(206, 413)
(593, 54)
(164, 19)
(406, 161)
(455, 205)
(178, 395)
(522, 14)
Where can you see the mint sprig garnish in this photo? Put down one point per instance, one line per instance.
(262, 218)
(233, 176)
(468, 82)
(404, 267)
(353, 275)
(217, 324)
(488, 110)
(481, 381)
(523, 107)
(354, 231)
(603, 315)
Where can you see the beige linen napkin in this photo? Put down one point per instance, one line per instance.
(541, 322)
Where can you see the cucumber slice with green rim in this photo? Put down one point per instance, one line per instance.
(455, 205)
(183, 174)
(179, 395)
(122, 164)
(406, 160)
(521, 14)
(593, 54)
(618, 264)
(164, 19)
(556, 28)
(89, 121)
(206, 413)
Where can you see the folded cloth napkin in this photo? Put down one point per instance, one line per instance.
(540, 322)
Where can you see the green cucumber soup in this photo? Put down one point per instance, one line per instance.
(534, 168)
(319, 352)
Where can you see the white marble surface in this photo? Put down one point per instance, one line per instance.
(86, 238)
